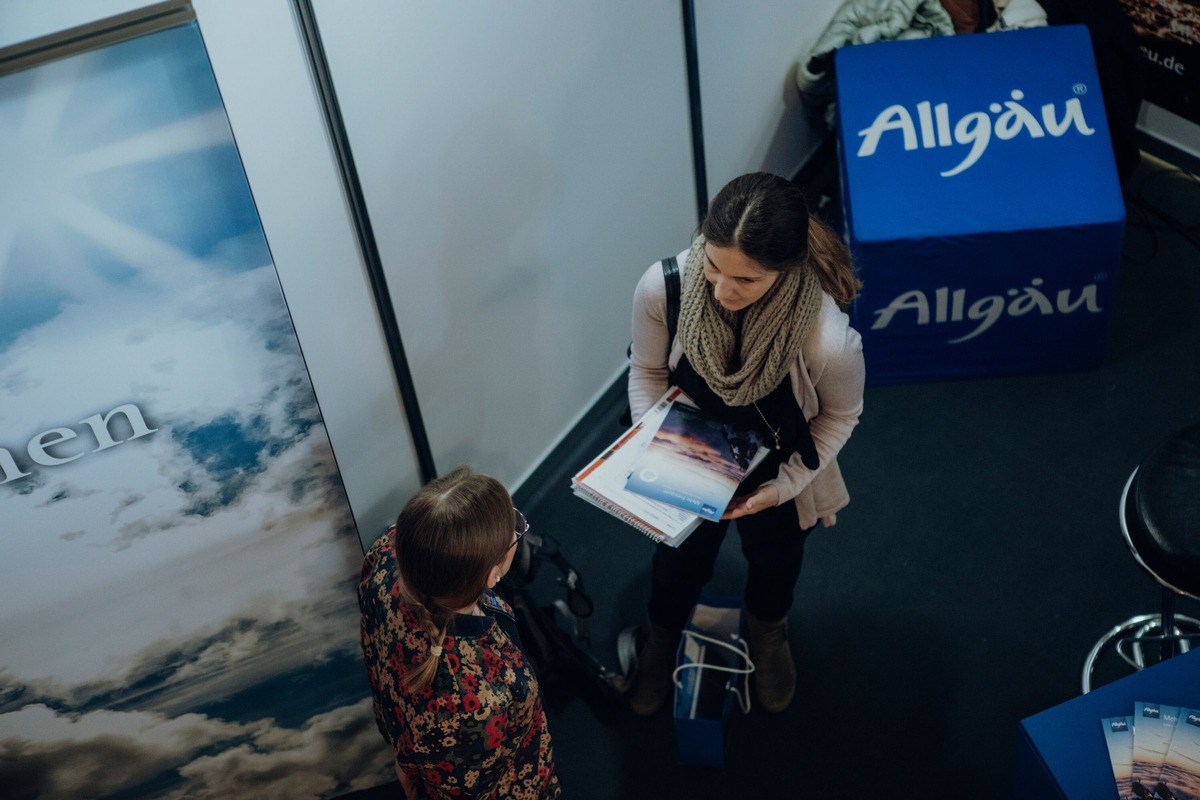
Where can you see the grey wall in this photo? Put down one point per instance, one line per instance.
(524, 163)
(752, 114)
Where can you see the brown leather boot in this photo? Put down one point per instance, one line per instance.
(774, 669)
(651, 684)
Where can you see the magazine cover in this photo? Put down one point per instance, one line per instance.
(1153, 725)
(1118, 736)
(602, 481)
(1181, 768)
(695, 462)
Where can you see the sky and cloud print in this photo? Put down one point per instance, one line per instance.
(177, 558)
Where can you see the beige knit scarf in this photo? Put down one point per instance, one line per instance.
(773, 331)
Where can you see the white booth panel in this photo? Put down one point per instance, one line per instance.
(263, 73)
(523, 163)
(753, 117)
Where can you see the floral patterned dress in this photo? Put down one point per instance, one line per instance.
(480, 730)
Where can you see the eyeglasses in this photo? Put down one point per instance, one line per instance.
(522, 526)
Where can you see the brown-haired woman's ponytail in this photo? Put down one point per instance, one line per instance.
(449, 537)
(420, 677)
(830, 259)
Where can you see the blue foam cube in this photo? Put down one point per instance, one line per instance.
(981, 202)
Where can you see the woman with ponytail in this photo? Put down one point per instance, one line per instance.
(454, 695)
(762, 342)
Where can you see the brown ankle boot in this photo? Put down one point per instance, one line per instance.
(651, 685)
(774, 670)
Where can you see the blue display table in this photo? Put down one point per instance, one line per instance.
(981, 202)
(1061, 752)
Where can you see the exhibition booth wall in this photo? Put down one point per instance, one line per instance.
(203, 423)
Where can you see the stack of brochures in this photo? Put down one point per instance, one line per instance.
(675, 468)
(1155, 753)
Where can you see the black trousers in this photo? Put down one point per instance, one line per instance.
(773, 544)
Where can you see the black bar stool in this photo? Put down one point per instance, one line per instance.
(1160, 520)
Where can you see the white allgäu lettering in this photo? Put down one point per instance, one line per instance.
(952, 306)
(974, 129)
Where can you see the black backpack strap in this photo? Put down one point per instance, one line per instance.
(670, 268)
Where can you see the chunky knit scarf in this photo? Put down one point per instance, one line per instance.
(773, 331)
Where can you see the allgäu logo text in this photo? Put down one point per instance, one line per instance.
(952, 306)
(976, 128)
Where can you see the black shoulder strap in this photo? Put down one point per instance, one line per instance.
(670, 268)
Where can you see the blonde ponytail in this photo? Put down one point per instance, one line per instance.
(830, 260)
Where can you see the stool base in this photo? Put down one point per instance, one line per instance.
(1131, 638)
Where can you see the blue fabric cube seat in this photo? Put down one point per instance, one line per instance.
(981, 202)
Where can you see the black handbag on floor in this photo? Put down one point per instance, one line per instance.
(551, 608)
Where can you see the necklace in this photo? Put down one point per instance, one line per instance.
(774, 431)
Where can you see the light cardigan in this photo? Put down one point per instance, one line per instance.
(827, 381)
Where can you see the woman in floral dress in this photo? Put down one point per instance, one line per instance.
(454, 695)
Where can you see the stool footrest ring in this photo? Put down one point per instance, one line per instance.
(1136, 631)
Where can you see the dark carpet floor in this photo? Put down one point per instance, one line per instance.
(979, 560)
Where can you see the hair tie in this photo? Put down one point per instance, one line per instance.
(436, 650)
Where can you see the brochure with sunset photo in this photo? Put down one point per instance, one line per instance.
(1118, 736)
(1153, 726)
(1181, 767)
(1155, 752)
(695, 462)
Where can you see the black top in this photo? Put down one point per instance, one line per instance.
(478, 624)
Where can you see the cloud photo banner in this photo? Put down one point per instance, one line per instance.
(177, 558)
